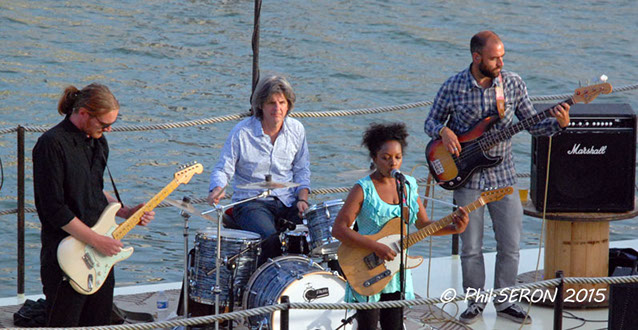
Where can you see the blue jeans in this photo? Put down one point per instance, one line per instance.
(507, 221)
(262, 217)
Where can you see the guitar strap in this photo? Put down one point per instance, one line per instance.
(500, 97)
(117, 194)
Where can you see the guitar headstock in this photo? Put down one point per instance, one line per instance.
(589, 93)
(186, 172)
(495, 195)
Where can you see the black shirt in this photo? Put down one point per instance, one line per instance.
(68, 180)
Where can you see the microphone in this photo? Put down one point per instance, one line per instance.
(398, 175)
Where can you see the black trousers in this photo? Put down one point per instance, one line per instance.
(68, 308)
(390, 318)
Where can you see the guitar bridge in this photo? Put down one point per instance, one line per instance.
(377, 278)
(437, 167)
(372, 260)
(88, 261)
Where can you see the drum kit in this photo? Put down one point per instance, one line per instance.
(306, 272)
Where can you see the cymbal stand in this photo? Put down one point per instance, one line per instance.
(220, 209)
(232, 267)
(186, 285)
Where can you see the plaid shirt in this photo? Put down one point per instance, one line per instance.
(461, 103)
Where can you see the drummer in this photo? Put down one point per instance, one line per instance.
(267, 143)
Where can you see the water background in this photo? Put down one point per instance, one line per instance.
(168, 60)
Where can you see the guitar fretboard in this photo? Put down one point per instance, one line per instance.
(133, 220)
(489, 140)
(438, 225)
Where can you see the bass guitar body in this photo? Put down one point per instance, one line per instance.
(450, 171)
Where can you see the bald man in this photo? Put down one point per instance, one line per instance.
(462, 101)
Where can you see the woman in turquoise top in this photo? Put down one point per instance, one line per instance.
(372, 202)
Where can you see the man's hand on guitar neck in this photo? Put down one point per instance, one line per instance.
(450, 141)
(561, 113)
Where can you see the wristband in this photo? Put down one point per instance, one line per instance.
(441, 130)
(303, 200)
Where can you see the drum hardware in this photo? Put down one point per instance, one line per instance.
(231, 261)
(231, 265)
(346, 321)
(186, 217)
(187, 207)
(296, 241)
(268, 185)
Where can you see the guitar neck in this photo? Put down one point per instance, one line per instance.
(133, 220)
(490, 140)
(438, 225)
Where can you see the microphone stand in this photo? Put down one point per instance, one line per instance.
(401, 193)
(220, 214)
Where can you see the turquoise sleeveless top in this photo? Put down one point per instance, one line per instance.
(374, 214)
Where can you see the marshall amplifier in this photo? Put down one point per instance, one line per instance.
(592, 166)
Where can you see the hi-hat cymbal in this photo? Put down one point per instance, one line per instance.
(268, 185)
(189, 208)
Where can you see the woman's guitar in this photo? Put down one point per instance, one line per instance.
(86, 267)
(451, 172)
(368, 274)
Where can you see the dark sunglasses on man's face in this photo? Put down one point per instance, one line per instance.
(104, 125)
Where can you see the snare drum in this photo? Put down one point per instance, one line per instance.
(320, 218)
(296, 241)
(302, 280)
(232, 242)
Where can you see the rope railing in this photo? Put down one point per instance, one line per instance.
(552, 283)
(203, 200)
(309, 114)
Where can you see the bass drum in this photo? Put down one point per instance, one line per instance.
(302, 280)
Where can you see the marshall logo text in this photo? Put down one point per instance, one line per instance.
(577, 150)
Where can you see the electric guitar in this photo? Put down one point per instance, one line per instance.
(84, 265)
(452, 172)
(368, 274)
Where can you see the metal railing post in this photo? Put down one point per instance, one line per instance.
(285, 313)
(20, 211)
(558, 304)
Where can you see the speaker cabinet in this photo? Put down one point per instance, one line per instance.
(623, 306)
(592, 162)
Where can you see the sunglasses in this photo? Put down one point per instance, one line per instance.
(104, 125)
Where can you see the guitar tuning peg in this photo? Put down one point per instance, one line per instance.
(603, 78)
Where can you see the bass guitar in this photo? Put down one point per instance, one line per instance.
(84, 265)
(452, 172)
(368, 274)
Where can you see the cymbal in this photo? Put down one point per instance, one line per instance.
(268, 185)
(189, 208)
